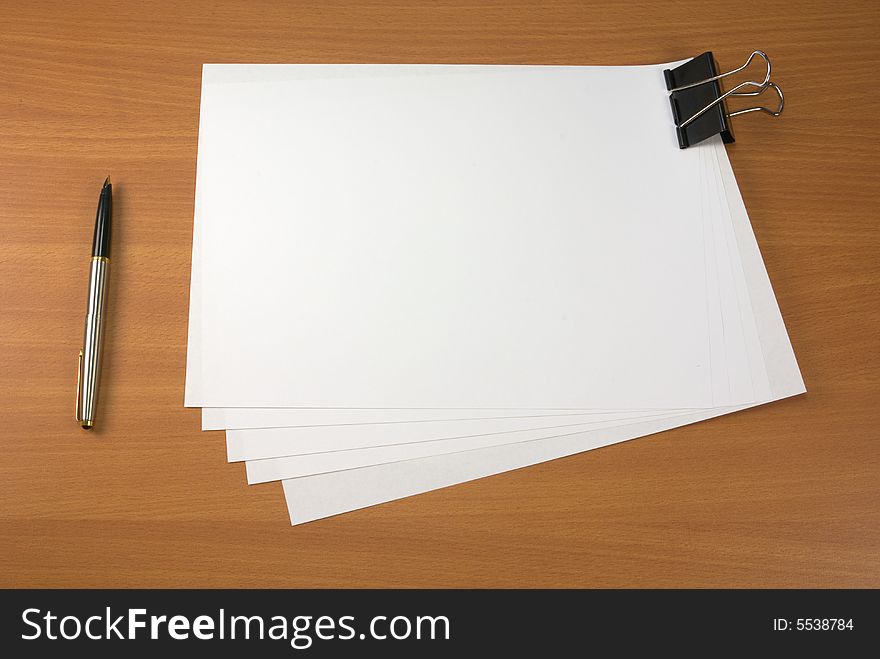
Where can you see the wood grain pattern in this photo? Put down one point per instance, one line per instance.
(783, 495)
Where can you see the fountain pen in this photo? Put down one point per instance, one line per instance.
(93, 336)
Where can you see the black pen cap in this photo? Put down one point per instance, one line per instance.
(101, 242)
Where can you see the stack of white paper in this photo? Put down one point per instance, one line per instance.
(406, 277)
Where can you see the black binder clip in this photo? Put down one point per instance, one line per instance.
(698, 107)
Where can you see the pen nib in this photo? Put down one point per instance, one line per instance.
(106, 181)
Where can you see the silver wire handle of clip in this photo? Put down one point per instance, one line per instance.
(761, 88)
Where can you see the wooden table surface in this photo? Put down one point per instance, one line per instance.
(783, 495)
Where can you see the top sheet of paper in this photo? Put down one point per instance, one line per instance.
(436, 238)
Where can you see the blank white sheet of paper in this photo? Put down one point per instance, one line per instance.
(497, 236)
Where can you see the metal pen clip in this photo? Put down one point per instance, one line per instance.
(79, 371)
(761, 87)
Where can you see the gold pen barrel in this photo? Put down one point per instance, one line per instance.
(93, 339)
